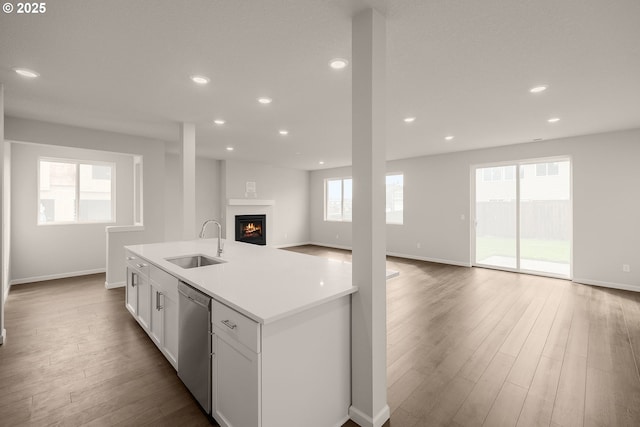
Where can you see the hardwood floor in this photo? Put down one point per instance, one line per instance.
(465, 346)
(470, 346)
(75, 356)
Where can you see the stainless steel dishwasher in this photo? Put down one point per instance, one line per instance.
(194, 346)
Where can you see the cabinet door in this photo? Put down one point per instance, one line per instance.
(170, 328)
(155, 328)
(144, 301)
(131, 300)
(236, 382)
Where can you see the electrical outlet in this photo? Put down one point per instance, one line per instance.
(626, 268)
(285, 235)
(337, 236)
(418, 245)
(461, 217)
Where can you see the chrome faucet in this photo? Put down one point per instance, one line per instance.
(204, 227)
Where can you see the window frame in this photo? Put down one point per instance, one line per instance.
(342, 180)
(77, 163)
(401, 222)
(326, 198)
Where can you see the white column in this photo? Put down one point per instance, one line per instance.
(188, 160)
(368, 323)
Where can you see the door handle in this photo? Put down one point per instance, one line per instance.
(229, 324)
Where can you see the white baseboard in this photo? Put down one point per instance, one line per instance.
(428, 259)
(3, 336)
(602, 284)
(365, 420)
(325, 245)
(56, 276)
(114, 285)
(290, 245)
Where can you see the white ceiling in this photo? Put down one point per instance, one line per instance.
(462, 67)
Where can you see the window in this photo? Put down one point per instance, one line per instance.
(395, 198)
(339, 199)
(75, 192)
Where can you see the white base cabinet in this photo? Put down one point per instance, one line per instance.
(296, 373)
(291, 372)
(152, 299)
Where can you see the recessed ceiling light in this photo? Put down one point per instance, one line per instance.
(409, 119)
(283, 132)
(201, 80)
(264, 100)
(321, 162)
(229, 148)
(538, 89)
(449, 137)
(338, 63)
(219, 121)
(554, 119)
(25, 72)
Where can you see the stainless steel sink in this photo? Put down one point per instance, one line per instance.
(195, 261)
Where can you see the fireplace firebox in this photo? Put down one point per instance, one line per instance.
(251, 229)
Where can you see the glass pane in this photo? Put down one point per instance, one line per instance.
(95, 193)
(395, 199)
(57, 198)
(496, 218)
(334, 200)
(347, 202)
(545, 218)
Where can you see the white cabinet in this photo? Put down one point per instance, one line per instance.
(138, 291)
(236, 383)
(236, 368)
(164, 313)
(152, 298)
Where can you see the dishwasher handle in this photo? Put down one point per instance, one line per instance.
(194, 295)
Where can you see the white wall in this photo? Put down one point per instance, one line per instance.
(208, 199)
(289, 224)
(35, 249)
(5, 221)
(606, 205)
(152, 152)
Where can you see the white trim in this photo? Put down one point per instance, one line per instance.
(56, 276)
(399, 255)
(327, 245)
(250, 202)
(613, 285)
(364, 420)
(290, 245)
(123, 228)
(429, 259)
(3, 336)
(114, 285)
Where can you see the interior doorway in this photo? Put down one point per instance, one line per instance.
(523, 219)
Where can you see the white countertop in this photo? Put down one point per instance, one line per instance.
(263, 283)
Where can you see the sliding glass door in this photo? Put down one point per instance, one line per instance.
(523, 217)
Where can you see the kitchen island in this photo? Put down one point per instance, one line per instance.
(280, 325)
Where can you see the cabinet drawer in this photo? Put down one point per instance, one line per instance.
(236, 326)
(164, 281)
(137, 263)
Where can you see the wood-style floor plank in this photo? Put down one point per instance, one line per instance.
(465, 346)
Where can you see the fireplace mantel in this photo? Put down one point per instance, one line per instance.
(250, 202)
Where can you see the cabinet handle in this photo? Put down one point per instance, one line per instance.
(229, 324)
(158, 306)
(130, 258)
(134, 280)
(141, 265)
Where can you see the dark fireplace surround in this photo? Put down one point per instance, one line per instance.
(251, 229)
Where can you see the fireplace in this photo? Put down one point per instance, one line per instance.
(251, 229)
